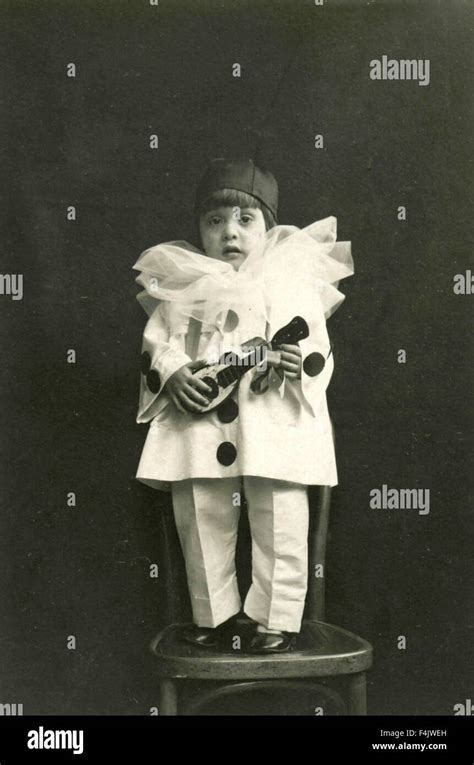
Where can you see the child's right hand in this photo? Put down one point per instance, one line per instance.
(184, 388)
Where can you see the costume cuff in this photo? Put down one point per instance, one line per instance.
(316, 371)
(156, 368)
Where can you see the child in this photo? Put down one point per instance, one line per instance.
(273, 435)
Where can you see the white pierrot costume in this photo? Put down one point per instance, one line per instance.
(282, 433)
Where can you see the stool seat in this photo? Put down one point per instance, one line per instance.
(319, 650)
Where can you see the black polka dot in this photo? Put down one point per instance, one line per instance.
(314, 364)
(226, 453)
(153, 380)
(231, 320)
(228, 410)
(145, 362)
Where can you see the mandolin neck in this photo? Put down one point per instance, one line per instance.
(234, 372)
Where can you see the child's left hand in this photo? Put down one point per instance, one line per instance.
(291, 361)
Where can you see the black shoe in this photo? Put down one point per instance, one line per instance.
(271, 642)
(203, 637)
(207, 637)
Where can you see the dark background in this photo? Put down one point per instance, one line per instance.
(141, 69)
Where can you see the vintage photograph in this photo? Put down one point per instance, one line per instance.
(236, 299)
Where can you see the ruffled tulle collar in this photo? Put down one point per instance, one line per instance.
(203, 287)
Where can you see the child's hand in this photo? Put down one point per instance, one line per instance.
(291, 360)
(184, 388)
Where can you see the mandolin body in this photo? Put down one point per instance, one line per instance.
(223, 378)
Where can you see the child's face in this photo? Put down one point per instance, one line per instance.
(231, 233)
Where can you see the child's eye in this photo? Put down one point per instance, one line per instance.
(246, 218)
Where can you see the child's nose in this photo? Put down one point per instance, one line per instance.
(230, 229)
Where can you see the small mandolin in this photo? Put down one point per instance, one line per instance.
(223, 378)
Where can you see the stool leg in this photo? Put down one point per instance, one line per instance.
(168, 698)
(357, 688)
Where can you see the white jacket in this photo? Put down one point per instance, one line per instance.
(284, 433)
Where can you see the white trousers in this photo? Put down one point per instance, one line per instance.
(207, 512)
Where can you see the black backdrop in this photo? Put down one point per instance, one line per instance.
(84, 141)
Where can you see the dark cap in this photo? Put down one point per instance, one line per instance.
(242, 175)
